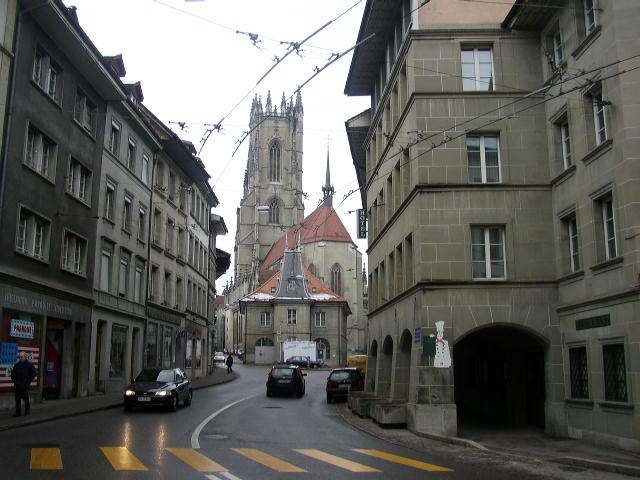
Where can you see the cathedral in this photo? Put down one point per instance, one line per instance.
(271, 227)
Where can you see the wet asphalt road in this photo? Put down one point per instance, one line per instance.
(250, 440)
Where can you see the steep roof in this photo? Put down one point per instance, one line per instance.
(317, 289)
(323, 224)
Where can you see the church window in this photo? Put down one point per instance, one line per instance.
(274, 211)
(274, 162)
(336, 279)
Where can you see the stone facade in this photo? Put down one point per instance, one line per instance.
(8, 12)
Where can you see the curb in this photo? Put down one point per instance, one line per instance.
(610, 467)
(36, 421)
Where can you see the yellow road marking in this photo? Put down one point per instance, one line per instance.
(404, 461)
(337, 461)
(45, 459)
(122, 459)
(268, 460)
(196, 460)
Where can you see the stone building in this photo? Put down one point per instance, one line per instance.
(503, 268)
(49, 200)
(121, 261)
(293, 304)
(8, 15)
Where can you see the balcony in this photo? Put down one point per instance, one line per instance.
(106, 300)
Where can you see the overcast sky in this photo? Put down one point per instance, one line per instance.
(194, 71)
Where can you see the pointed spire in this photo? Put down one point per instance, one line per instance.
(259, 105)
(290, 108)
(267, 107)
(299, 102)
(283, 105)
(328, 189)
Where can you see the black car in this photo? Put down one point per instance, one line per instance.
(286, 379)
(302, 362)
(341, 381)
(318, 363)
(156, 387)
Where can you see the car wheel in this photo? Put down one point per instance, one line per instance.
(329, 398)
(173, 405)
(187, 400)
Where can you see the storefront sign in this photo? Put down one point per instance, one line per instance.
(22, 328)
(362, 223)
(24, 300)
(593, 322)
(159, 314)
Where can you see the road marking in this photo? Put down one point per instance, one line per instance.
(122, 459)
(337, 461)
(195, 436)
(227, 475)
(196, 460)
(404, 460)
(45, 459)
(267, 460)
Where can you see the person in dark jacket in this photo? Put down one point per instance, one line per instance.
(22, 375)
(229, 362)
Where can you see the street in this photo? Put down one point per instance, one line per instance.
(255, 438)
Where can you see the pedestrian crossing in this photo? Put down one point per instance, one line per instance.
(123, 459)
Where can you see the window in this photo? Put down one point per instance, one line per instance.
(114, 137)
(265, 319)
(605, 205)
(138, 284)
(131, 155)
(565, 140)
(571, 226)
(274, 162)
(110, 201)
(590, 16)
(180, 243)
(487, 252)
(152, 344)
(85, 112)
(477, 69)
(123, 273)
(157, 219)
(179, 292)
(40, 153)
(39, 66)
(144, 176)
(32, 236)
(264, 342)
(558, 50)
(74, 253)
(578, 372)
(292, 284)
(168, 240)
(79, 181)
(127, 213)
(615, 372)
(483, 157)
(160, 175)
(172, 185)
(118, 351)
(166, 289)
(274, 211)
(320, 319)
(336, 279)
(105, 269)
(292, 316)
(46, 74)
(154, 283)
(599, 118)
(142, 223)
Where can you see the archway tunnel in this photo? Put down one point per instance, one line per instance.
(500, 379)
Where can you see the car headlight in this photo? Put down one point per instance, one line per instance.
(163, 393)
(129, 393)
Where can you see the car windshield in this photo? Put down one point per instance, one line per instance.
(282, 372)
(153, 375)
(219, 354)
(340, 376)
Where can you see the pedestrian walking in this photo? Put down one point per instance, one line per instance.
(22, 375)
(229, 362)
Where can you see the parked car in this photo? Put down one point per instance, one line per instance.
(156, 387)
(318, 363)
(303, 362)
(219, 357)
(286, 379)
(341, 381)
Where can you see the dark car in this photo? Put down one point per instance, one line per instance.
(318, 363)
(302, 362)
(341, 381)
(156, 387)
(286, 379)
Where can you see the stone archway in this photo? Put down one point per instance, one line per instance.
(372, 366)
(500, 378)
(403, 365)
(386, 365)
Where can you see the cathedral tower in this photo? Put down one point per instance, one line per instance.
(272, 202)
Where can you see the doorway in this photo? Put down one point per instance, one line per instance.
(499, 379)
(54, 341)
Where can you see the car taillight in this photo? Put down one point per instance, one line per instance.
(329, 384)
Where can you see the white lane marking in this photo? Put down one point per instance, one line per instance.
(211, 476)
(229, 476)
(195, 436)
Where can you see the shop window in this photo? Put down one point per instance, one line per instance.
(19, 332)
(118, 348)
(167, 347)
(578, 372)
(615, 372)
(152, 344)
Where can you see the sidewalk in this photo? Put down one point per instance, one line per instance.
(56, 409)
(528, 445)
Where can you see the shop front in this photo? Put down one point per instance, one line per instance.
(162, 344)
(196, 346)
(53, 333)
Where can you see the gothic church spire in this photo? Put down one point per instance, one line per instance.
(327, 188)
